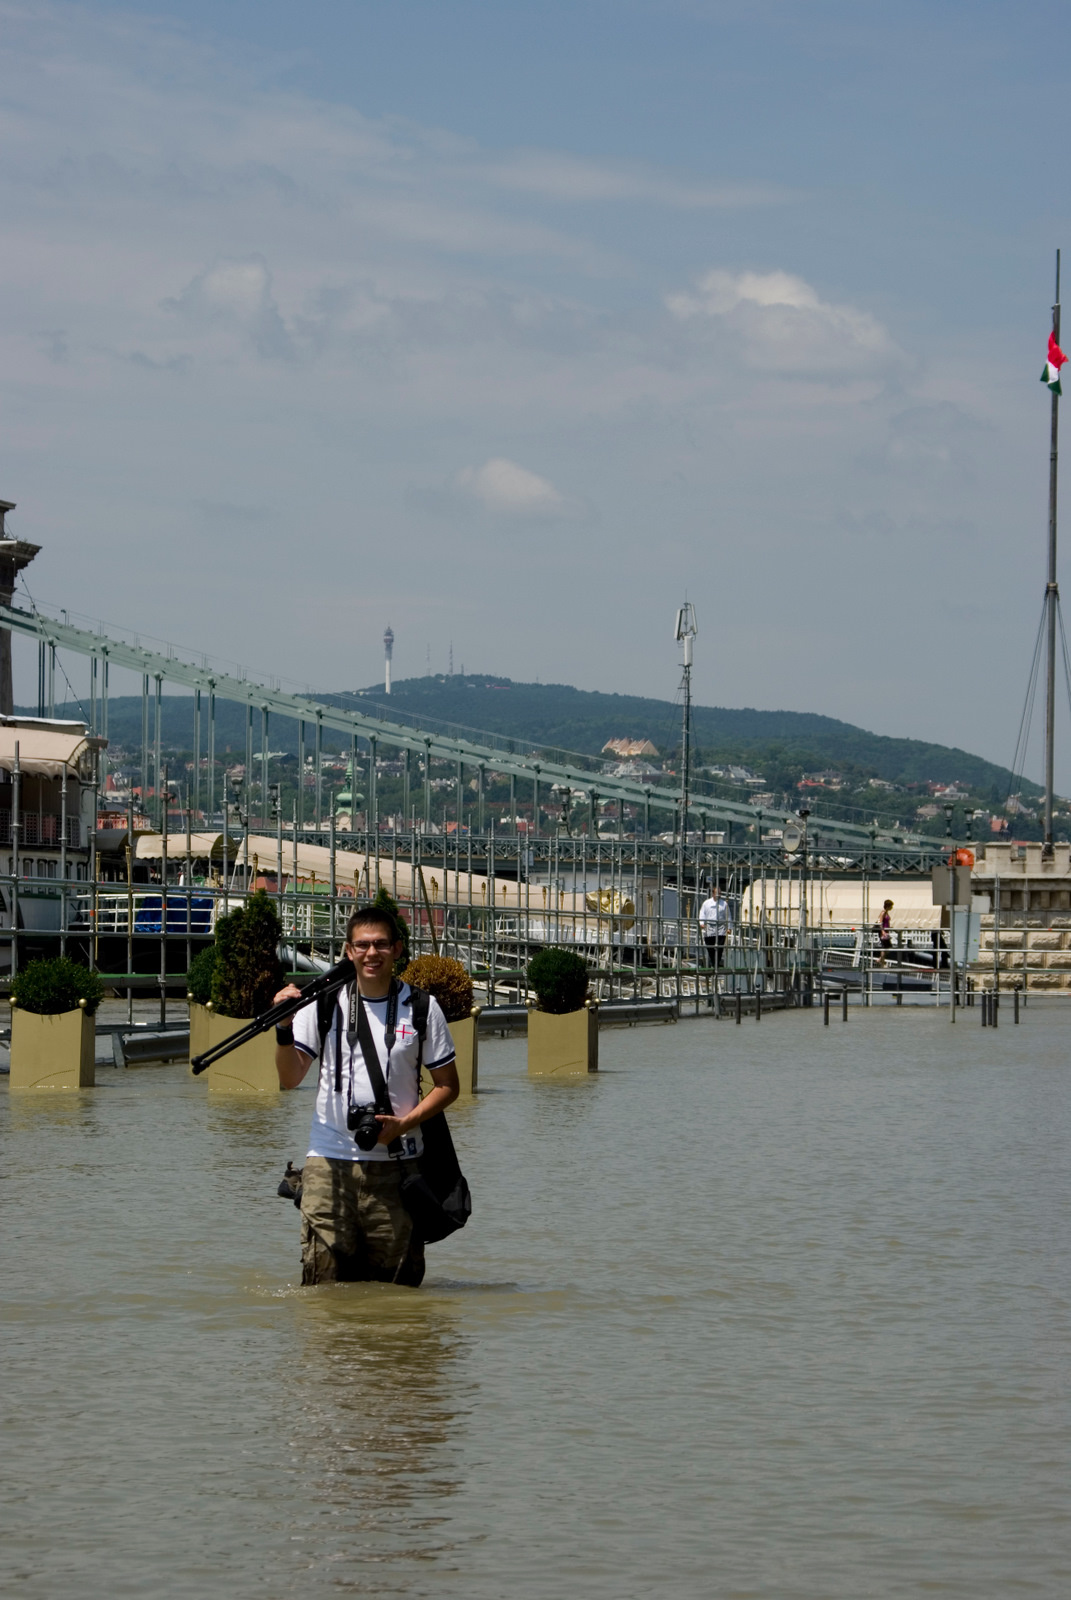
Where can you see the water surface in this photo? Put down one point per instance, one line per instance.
(767, 1311)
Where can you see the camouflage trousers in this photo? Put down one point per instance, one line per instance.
(354, 1227)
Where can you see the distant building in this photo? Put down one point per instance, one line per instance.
(733, 774)
(821, 780)
(53, 756)
(632, 769)
(630, 749)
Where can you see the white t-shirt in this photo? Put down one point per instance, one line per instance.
(330, 1135)
(714, 915)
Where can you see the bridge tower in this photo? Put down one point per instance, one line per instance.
(14, 555)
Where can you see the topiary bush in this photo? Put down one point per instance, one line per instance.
(384, 902)
(199, 978)
(560, 980)
(50, 988)
(248, 973)
(447, 980)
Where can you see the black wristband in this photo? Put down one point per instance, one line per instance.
(284, 1035)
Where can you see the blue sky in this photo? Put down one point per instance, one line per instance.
(509, 325)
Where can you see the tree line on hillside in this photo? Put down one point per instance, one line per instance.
(844, 770)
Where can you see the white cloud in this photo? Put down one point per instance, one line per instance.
(238, 295)
(558, 176)
(504, 487)
(216, 286)
(783, 322)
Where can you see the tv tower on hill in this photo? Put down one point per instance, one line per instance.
(388, 651)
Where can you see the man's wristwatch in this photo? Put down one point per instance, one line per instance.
(285, 1034)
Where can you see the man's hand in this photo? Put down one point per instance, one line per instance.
(443, 1092)
(290, 1063)
(391, 1128)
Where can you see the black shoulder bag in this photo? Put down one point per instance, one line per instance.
(436, 1195)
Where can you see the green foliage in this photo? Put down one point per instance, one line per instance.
(447, 980)
(248, 973)
(384, 902)
(199, 978)
(560, 980)
(50, 988)
(777, 745)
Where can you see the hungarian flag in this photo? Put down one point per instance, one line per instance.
(1051, 375)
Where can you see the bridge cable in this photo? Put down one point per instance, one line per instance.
(59, 660)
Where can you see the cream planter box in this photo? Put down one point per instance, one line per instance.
(199, 1016)
(52, 1052)
(248, 1070)
(467, 1045)
(563, 1046)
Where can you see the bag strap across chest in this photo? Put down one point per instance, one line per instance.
(419, 999)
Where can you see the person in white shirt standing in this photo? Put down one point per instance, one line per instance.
(354, 1226)
(714, 924)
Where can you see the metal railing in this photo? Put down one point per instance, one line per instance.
(491, 902)
(41, 828)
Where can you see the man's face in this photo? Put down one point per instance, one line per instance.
(372, 951)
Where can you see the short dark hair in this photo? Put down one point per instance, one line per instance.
(370, 916)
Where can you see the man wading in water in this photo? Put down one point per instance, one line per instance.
(354, 1226)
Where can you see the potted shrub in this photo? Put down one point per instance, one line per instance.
(246, 976)
(53, 1037)
(198, 995)
(451, 985)
(563, 1030)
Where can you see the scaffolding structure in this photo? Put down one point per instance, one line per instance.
(492, 902)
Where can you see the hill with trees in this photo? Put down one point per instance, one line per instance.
(842, 769)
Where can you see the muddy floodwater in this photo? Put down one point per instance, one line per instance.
(771, 1310)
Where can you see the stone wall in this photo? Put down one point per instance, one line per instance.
(1032, 949)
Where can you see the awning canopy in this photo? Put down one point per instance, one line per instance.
(150, 846)
(46, 748)
(842, 903)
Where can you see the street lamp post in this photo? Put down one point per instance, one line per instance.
(239, 785)
(275, 803)
(948, 805)
(685, 633)
(803, 813)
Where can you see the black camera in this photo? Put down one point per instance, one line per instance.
(364, 1125)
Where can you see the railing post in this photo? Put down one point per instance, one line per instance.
(16, 835)
(63, 862)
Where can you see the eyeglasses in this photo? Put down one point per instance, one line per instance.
(362, 946)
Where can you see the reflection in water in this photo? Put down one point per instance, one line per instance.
(373, 1394)
(54, 1115)
(242, 1122)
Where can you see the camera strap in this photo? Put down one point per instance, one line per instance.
(360, 1032)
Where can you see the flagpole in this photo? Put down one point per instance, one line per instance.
(1052, 591)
